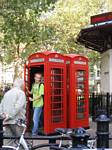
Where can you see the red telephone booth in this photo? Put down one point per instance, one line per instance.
(77, 89)
(53, 67)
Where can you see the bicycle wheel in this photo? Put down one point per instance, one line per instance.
(8, 148)
(50, 145)
(57, 148)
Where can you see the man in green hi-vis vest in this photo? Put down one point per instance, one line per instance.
(37, 91)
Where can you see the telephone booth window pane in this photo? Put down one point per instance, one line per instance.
(56, 93)
(80, 94)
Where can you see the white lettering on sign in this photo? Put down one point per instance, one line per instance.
(37, 60)
(80, 62)
(56, 60)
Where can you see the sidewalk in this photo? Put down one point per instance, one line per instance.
(91, 131)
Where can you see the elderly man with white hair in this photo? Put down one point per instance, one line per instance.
(13, 107)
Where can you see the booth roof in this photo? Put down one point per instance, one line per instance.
(97, 37)
(47, 52)
(43, 54)
(74, 56)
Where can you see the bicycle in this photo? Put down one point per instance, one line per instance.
(91, 142)
(22, 140)
(65, 133)
(29, 146)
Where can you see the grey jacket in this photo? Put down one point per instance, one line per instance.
(13, 104)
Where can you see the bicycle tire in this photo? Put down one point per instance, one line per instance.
(56, 148)
(47, 145)
(8, 148)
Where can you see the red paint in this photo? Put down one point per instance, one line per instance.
(53, 67)
(78, 91)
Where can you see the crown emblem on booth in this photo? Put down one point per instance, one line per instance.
(56, 56)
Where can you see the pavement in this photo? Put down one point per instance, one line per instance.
(91, 131)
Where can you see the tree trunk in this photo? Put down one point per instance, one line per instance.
(17, 70)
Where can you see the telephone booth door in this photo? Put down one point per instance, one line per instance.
(55, 89)
(36, 63)
(79, 94)
(28, 111)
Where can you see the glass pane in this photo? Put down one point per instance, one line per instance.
(56, 95)
(80, 78)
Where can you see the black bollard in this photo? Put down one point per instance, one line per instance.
(1, 132)
(102, 131)
(79, 138)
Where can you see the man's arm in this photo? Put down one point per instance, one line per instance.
(19, 105)
(35, 99)
(28, 91)
(41, 93)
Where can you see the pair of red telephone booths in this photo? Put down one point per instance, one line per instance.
(65, 86)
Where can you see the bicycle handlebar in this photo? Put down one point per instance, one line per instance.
(21, 122)
(65, 131)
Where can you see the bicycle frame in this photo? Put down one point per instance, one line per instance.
(9, 147)
(23, 143)
(61, 142)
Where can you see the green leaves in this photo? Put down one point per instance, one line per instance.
(68, 18)
(29, 25)
(20, 19)
(20, 27)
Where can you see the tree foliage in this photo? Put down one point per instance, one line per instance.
(66, 21)
(29, 25)
(20, 27)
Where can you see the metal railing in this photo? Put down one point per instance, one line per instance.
(100, 103)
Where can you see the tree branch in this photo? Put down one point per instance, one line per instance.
(18, 49)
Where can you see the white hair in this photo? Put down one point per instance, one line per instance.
(18, 83)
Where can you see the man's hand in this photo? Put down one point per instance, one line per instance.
(27, 90)
(30, 99)
(4, 116)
